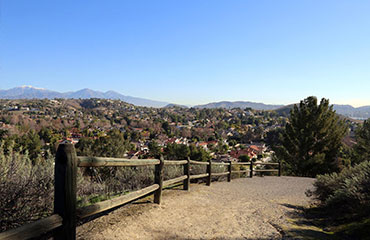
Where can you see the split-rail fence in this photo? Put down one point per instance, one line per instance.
(62, 224)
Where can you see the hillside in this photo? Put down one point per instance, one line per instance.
(285, 110)
(349, 111)
(175, 106)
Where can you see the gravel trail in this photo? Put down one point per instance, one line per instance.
(243, 209)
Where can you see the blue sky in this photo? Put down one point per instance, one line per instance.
(190, 52)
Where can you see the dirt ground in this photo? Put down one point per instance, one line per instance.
(246, 208)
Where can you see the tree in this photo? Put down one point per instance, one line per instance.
(166, 127)
(312, 139)
(31, 142)
(154, 149)
(272, 137)
(199, 153)
(362, 148)
(176, 151)
(244, 158)
(46, 134)
(84, 147)
(112, 145)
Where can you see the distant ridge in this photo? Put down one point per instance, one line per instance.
(345, 110)
(240, 104)
(349, 111)
(171, 105)
(29, 92)
(285, 110)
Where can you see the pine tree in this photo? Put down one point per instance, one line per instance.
(362, 148)
(312, 139)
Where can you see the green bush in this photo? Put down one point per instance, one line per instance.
(347, 192)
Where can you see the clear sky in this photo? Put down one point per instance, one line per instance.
(190, 52)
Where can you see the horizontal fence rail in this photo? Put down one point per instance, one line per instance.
(115, 202)
(35, 229)
(266, 170)
(199, 163)
(241, 171)
(114, 162)
(63, 222)
(220, 163)
(174, 180)
(203, 175)
(265, 163)
(175, 162)
(241, 163)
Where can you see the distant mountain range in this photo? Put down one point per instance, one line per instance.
(30, 92)
(240, 104)
(346, 110)
(349, 111)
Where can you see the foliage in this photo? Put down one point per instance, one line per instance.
(154, 149)
(362, 148)
(244, 158)
(25, 188)
(199, 154)
(347, 192)
(3, 133)
(312, 139)
(273, 136)
(31, 142)
(112, 145)
(107, 182)
(181, 151)
(176, 151)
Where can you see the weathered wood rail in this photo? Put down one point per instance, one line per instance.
(62, 224)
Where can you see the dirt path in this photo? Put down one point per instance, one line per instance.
(243, 209)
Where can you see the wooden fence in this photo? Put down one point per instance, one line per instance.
(62, 223)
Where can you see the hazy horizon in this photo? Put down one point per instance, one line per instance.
(191, 105)
(191, 52)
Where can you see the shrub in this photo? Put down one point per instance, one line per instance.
(25, 188)
(347, 192)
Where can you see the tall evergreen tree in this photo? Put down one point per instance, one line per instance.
(362, 148)
(312, 139)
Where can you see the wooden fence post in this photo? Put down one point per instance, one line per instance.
(280, 168)
(229, 169)
(158, 179)
(65, 173)
(186, 182)
(251, 170)
(209, 171)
